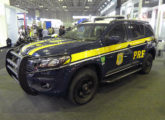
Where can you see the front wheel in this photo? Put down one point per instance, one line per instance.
(147, 64)
(83, 87)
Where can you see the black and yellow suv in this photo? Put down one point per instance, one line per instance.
(102, 51)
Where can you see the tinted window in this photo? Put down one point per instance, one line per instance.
(118, 30)
(98, 30)
(85, 32)
(148, 31)
(142, 30)
(135, 31)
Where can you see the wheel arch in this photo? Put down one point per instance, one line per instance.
(152, 52)
(95, 66)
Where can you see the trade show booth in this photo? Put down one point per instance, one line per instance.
(9, 26)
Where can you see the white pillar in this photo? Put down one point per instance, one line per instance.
(3, 22)
(158, 19)
(5, 2)
(140, 8)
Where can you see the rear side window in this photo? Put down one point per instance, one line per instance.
(148, 31)
(135, 31)
(142, 30)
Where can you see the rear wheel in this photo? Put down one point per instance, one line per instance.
(83, 86)
(147, 64)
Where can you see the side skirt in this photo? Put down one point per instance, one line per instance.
(121, 74)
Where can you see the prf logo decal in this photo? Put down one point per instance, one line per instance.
(119, 60)
(139, 54)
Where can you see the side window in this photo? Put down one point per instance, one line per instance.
(135, 31)
(142, 30)
(148, 31)
(117, 31)
(98, 30)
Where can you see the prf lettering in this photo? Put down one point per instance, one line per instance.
(139, 54)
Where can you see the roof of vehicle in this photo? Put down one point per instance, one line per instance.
(107, 20)
(99, 22)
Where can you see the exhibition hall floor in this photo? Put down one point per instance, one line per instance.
(137, 97)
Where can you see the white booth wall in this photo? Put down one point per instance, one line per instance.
(12, 26)
(3, 30)
(8, 23)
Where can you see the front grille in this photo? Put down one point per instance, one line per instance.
(13, 60)
(29, 68)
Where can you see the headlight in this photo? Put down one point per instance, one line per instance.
(51, 62)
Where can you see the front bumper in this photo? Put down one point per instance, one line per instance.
(52, 81)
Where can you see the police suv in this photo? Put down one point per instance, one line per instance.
(74, 65)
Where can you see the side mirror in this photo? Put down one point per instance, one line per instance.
(113, 39)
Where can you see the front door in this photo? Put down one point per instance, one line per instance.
(120, 53)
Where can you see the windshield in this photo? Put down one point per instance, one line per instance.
(85, 32)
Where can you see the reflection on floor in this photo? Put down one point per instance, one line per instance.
(2, 57)
(137, 97)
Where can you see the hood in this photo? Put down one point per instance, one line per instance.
(55, 47)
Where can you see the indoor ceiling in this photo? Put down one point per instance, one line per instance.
(76, 7)
(62, 9)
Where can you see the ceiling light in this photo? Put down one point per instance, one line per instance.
(87, 7)
(60, 0)
(41, 6)
(90, 0)
(17, 5)
(64, 6)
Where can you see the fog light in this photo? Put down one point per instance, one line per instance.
(45, 85)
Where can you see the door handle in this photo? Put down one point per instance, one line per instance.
(129, 46)
(125, 56)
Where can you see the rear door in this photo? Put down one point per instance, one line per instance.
(137, 41)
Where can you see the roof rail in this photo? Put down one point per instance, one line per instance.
(107, 17)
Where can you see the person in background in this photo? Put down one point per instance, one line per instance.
(50, 31)
(45, 33)
(21, 31)
(53, 31)
(31, 32)
(61, 30)
(9, 42)
(39, 31)
(28, 31)
(35, 31)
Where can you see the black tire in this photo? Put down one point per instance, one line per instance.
(26, 88)
(147, 64)
(83, 87)
(23, 81)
